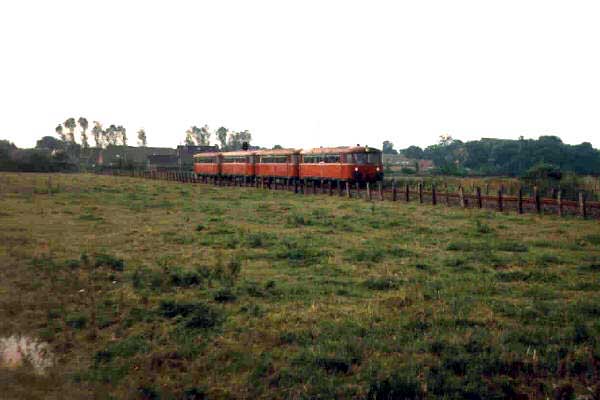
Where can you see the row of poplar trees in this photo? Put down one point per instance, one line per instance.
(114, 135)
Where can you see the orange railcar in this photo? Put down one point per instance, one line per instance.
(355, 164)
(280, 163)
(238, 163)
(207, 164)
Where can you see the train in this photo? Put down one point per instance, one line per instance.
(354, 164)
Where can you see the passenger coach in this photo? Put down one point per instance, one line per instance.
(278, 164)
(238, 164)
(207, 164)
(353, 164)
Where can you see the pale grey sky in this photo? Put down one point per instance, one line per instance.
(303, 73)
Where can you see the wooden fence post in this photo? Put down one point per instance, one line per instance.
(433, 195)
(357, 190)
(394, 194)
(478, 194)
(520, 201)
(500, 200)
(582, 210)
(380, 188)
(330, 187)
(536, 197)
(461, 196)
(421, 192)
(347, 189)
(322, 187)
(559, 202)
(368, 197)
(314, 187)
(447, 194)
(338, 183)
(407, 193)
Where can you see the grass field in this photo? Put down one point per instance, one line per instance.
(154, 289)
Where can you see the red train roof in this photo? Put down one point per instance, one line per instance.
(277, 152)
(341, 150)
(238, 153)
(206, 155)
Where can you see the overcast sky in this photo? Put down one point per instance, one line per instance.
(303, 73)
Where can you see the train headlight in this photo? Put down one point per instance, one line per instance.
(377, 169)
(356, 169)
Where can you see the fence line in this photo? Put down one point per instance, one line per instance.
(519, 203)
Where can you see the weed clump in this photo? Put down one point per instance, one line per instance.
(512, 247)
(183, 278)
(333, 364)
(396, 387)
(224, 296)
(195, 315)
(383, 283)
(106, 260)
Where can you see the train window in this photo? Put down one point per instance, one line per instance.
(359, 158)
(374, 158)
(205, 160)
(332, 158)
(273, 159)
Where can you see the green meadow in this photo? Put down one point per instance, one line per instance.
(161, 290)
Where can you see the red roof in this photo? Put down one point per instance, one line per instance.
(341, 150)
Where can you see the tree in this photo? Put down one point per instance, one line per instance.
(70, 124)
(222, 133)
(189, 138)
(413, 152)
(83, 124)
(60, 132)
(236, 140)
(197, 136)
(49, 143)
(388, 147)
(122, 134)
(445, 139)
(141, 134)
(203, 136)
(98, 133)
(277, 147)
(111, 135)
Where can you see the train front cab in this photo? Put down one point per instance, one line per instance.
(281, 164)
(237, 164)
(207, 164)
(352, 164)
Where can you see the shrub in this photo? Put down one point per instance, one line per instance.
(296, 220)
(196, 315)
(480, 227)
(383, 283)
(405, 386)
(106, 260)
(593, 239)
(200, 228)
(333, 364)
(300, 252)
(194, 393)
(182, 278)
(512, 247)
(224, 296)
(76, 321)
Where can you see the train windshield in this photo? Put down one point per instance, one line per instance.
(364, 158)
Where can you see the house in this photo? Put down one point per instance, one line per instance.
(162, 162)
(185, 155)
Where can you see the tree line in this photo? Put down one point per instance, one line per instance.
(505, 156)
(225, 139)
(113, 135)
